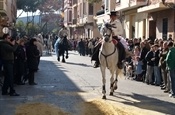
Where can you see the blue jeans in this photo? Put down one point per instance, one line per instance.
(157, 75)
(172, 81)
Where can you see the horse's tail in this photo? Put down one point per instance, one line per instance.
(120, 72)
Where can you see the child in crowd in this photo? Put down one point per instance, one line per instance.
(138, 69)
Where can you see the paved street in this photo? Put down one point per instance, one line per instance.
(65, 85)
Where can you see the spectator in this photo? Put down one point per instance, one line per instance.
(155, 59)
(171, 67)
(8, 47)
(20, 60)
(164, 72)
(32, 60)
(150, 65)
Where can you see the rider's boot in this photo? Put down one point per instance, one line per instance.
(122, 55)
(96, 64)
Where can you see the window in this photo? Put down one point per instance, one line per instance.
(164, 28)
(84, 8)
(70, 15)
(91, 8)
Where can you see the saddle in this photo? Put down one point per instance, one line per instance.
(115, 41)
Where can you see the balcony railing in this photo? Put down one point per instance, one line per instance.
(138, 2)
(74, 21)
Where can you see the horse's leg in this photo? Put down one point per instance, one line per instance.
(112, 81)
(63, 59)
(116, 80)
(103, 81)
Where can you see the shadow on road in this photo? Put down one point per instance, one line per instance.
(57, 87)
(79, 64)
(144, 102)
(54, 87)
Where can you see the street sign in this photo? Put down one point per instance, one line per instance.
(5, 30)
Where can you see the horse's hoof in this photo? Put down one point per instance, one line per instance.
(111, 94)
(115, 88)
(104, 97)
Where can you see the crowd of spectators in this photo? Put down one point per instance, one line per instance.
(19, 60)
(152, 62)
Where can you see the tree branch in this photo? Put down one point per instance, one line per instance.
(20, 14)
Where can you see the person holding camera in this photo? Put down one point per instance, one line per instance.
(7, 48)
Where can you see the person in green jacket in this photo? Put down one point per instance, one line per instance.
(170, 59)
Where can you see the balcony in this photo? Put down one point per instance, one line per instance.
(3, 8)
(130, 4)
(152, 8)
(137, 3)
(88, 19)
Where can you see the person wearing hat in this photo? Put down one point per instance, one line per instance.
(114, 18)
(63, 32)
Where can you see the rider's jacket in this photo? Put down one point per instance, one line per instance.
(119, 29)
(63, 32)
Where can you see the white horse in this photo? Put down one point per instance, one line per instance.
(108, 57)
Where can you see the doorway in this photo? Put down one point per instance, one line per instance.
(152, 30)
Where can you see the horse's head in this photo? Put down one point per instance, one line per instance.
(107, 31)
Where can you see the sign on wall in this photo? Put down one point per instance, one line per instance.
(5, 30)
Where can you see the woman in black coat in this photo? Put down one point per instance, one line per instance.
(32, 60)
(20, 60)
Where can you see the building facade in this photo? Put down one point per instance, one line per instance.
(140, 18)
(160, 19)
(81, 16)
(8, 12)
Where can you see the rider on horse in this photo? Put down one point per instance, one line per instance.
(63, 32)
(63, 42)
(122, 51)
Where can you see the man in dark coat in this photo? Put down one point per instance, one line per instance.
(7, 49)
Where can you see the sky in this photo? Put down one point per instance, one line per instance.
(24, 14)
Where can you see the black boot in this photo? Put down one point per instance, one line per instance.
(96, 64)
(120, 65)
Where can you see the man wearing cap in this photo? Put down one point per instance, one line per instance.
(114, 18)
